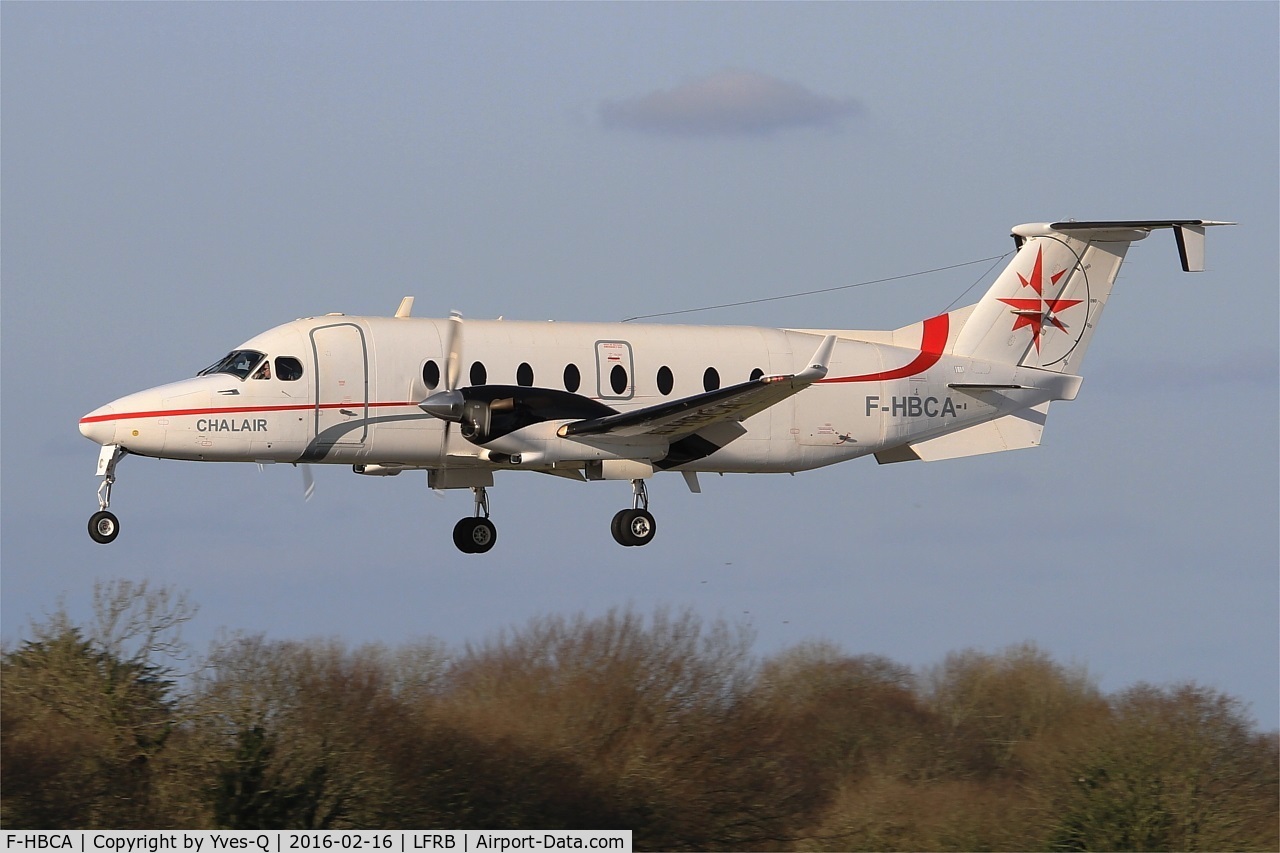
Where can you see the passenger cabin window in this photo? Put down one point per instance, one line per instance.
(288, 368)
(572, 378)
(431, 375)
(479, 375)
(618, 379)
(524, 375)
(665, 380)
(239, 363)
(756, 374)
(711, 379)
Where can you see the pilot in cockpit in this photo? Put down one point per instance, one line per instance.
(264, 372)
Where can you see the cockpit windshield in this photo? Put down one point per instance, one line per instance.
(239, 363)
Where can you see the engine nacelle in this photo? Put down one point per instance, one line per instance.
(519, 426)
(539, 445)
(477, 418)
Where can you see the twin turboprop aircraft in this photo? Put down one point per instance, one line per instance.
(613, 401)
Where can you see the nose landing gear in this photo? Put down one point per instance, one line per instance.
(104, 527)
(476, 535)
(635, 526)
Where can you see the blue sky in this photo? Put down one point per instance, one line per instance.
(179, 177)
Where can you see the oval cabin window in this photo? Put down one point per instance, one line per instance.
(479, 375)
(524, 375)
(431, 375)
(572, 379)
(665, 380)
(618, 379)
(711, 379)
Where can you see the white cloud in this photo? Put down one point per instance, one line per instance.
(729, 103)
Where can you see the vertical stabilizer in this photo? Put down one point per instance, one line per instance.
(1043, 309)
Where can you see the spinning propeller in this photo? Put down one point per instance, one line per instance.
(308, 482)
(447, 405)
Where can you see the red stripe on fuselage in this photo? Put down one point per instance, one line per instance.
(228, 410)
(933, 340)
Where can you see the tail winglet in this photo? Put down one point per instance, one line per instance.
(1043, 309)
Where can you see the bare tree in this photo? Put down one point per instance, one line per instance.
(305, 735)
(662, 724)
(993, 705)
(651, 715)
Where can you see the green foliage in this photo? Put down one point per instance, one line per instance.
(1166, 769)
(86, 717)
(250, 795)
(663, 725)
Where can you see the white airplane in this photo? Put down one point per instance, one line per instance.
(615, 401)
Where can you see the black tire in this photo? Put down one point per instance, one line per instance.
(616, 527)
(462, 535)
(633, 527)
(474, 535)
(104, 527)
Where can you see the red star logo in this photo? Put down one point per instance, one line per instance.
(1039, 311)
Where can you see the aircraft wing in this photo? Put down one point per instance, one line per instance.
(681, 418)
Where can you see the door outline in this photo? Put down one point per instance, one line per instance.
(609, 354)
(333, 413)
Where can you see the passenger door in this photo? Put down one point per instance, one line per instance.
(615, 371)
(342, 385)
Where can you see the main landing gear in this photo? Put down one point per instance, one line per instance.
(104, 527)
(635, 526)
(630, 527)
(477, 534)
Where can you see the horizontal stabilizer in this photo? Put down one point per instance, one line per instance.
(1012, 432)
(1188, 232)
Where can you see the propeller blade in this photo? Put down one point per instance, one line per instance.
(454, 364)
(308, 483)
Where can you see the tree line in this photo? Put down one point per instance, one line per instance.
(663, 724)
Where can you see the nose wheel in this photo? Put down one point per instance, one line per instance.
(104, 527)
(476, 535)
(635, 526)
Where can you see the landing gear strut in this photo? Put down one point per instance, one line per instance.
(477, 534)
(104, 527)
(635, 526)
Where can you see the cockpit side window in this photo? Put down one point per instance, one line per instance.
(239, 363)
(288, 368)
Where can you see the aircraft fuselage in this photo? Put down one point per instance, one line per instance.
(356, 399)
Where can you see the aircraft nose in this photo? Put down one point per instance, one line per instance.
(99, 426)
